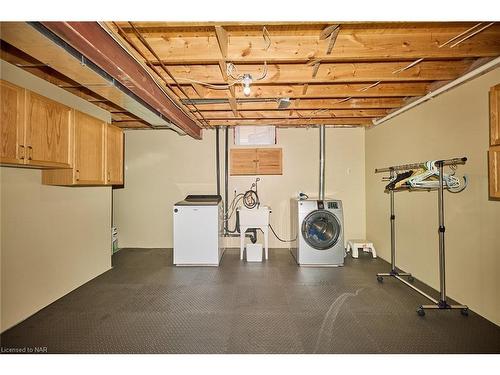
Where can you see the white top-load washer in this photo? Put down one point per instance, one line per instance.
(319, 229)
(198, 231)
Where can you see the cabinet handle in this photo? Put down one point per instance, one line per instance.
(21, 155)
(77, 177)
(30, 153)
(109, 176)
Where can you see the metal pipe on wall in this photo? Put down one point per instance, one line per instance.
(217, 159)
(321, 162)
(226, 174)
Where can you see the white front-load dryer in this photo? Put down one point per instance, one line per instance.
(319, 229)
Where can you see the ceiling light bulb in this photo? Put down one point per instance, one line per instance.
(246, 90)
(247, 80)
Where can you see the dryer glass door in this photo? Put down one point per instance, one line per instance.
(321, 229)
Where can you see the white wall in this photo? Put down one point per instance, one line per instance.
(53, 239)
(453, 124)
(161, 168)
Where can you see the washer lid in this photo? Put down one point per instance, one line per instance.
(321, 229)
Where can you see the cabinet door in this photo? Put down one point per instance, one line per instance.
(89, 150)
(48, 132)
(114, 155)
(495, 115)
(12, 149)
(494, 171)
(243, 161)
(269, 161)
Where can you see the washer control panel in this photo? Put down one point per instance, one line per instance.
(333, 205)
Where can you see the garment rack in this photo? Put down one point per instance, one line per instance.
(442, 303)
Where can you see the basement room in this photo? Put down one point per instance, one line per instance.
(223, 183)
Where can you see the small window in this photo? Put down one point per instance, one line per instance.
(255, 135)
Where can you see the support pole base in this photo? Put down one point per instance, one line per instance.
(442, 305)
(394, 273)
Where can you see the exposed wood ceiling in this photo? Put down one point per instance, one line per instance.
(336, 74)
(339, 74)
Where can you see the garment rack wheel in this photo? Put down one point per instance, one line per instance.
(380, 279)
(464, 312)
(420, 311)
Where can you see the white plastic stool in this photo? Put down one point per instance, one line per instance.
(354, 245)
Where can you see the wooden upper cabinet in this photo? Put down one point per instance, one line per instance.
(48, 132)
(494, 151)
(494, 171)
(12, 109)
(89, 150)
(114, 155)
(256, 161)
(243, 161)
(495, 115)
(269, 161)
(88, 155)
(97, 155)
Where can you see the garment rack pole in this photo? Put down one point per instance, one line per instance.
(403, 167)
(442, 303)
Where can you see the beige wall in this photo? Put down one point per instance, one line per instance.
(451, 125)
(161, 168)
(53, 239)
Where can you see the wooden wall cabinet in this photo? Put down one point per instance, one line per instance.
(114, 155)
(494, 151)
(494, 171)
(97, 155)
(36, 131)
(256, 161)
(495, 115)
(12, 149)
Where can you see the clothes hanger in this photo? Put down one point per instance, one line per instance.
(429, 179)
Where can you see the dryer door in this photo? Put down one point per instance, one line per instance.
(321, 229)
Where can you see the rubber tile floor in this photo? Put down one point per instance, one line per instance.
(147, 305)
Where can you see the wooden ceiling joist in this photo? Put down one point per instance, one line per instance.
(327, 72)
(222, 40)
(340, 91)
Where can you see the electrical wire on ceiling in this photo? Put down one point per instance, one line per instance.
(370, 86)
(232, 71)
(462, 34)
(408, 66)
(469, 33)
(267, 38)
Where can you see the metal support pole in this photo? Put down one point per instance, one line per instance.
(217, 159)
(442, 267)
(321, 162)
(393, 227)
(226, 175)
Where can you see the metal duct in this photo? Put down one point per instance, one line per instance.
(217, 159)
(226, 176)
(321, 162)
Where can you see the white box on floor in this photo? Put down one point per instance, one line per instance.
(254, 252)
